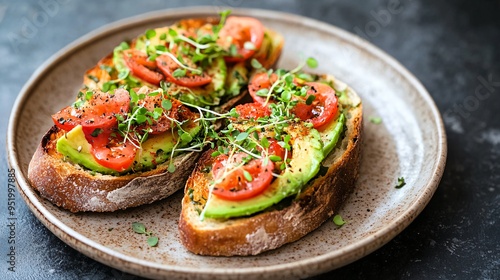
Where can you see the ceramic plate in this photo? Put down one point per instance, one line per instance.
(410, 142)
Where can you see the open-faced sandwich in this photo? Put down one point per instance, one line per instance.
(283, 165)
(131, 135)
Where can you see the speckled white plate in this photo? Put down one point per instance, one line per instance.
(409, 143)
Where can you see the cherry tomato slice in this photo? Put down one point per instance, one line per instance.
(164, 123)
(322, 109)
(110, 151)
(98, 112)
(234, 185)
(260, 81)
(277, 150)
(241, 30)
(137, 63)
(167, 65)
(140, 57)
(252, 111)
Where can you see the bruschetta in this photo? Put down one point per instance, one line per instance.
(283, 165)
(133, 134)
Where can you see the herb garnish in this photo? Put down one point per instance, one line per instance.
(141, 229)
(401, 183)
(337, 220)
(376, 120)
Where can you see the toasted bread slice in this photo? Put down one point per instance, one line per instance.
(272, 228)
(71, 187)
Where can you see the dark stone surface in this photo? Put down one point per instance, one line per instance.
(453, 47)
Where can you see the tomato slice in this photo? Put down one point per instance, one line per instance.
(238, 31)
(322, 109)
(164, 123)
(138, 64)
(234, 185)
(252, 111)
(110, 151)
(167, 65)
(276, 149)
(98, 112)
(260, 81)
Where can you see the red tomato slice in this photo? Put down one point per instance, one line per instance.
(234, 186)
(164, 123)
(137, 63)
(252, 111)
(98, 112)
(260, 81)
(277, 150)
(140, 57)
(110, 151)
(323, 108)
(241, 30)
(167, 65)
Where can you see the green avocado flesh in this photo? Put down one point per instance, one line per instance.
(155, 150)
(304, 165)
(331, 133)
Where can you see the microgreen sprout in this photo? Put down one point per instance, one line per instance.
(401, 183)
(338, 221)
(141, 229)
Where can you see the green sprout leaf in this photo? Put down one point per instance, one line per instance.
(264, 142)
(262, 92)
(233, 113)
(401, 182)
(216, 153)
(172, 32)
(93, 78)
(88, 95)
(255, 63)
(275, 158)
(312, 62)
(310, 99)
(124, 46)
(96, 132)
(171, 167)
(179, 72)
(242, 136)
(139, 228)
(166, 104)
(106, 86)
(122, 75)
(152, 241)
(247, 176)
(337, 220)
(150, 33)
(376, 120)
(186, 137)
(233, 51)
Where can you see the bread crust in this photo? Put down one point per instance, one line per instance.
(271, 229)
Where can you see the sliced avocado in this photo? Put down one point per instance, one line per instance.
(330, 134)
(237, 79)
(157, 148)
(305, 163)
(218, 72)
(154, 151)
(74, 146)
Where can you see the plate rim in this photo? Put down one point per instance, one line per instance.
(354, 250)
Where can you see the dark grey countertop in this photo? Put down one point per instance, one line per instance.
(453, 47)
